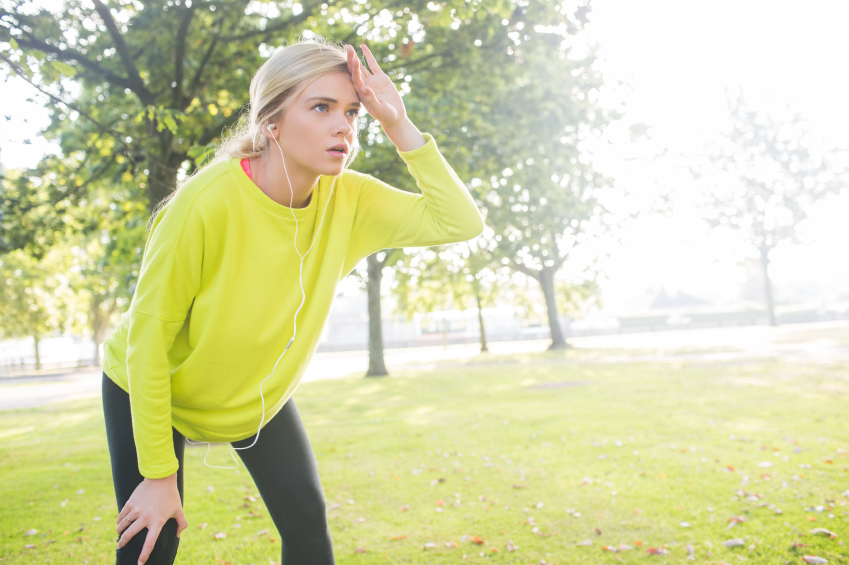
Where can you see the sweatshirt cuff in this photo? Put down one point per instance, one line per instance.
(427, 149)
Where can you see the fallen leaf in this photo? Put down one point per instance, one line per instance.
(657, 551)
(30, 546)
(476, 539)
(831, 534)
(511, 546)
(262, 532)
(814, 560)
(736, 542)
(611, 548)
(30, 532)
(334, 506)
(361, 550)
(429, 545)
(587, 541)
(220, 535)
(203, 525)
(405, 508)
(395, 538)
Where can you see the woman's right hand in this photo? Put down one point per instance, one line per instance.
(152, 504)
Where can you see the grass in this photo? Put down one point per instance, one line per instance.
(541, 451)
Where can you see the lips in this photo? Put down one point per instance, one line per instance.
(341, 148)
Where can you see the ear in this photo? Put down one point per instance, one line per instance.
(270, 130)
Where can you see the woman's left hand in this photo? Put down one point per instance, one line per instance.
(375, 89)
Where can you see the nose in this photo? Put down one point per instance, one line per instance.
(343, 126)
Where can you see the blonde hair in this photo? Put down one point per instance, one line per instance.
(275, 85)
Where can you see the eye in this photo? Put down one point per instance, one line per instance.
(320, 104)
(356, 113)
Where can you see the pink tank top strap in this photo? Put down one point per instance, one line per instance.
(246, 166)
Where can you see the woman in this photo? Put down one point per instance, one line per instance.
(242, 265)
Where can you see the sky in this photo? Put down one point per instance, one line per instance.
(675, 61)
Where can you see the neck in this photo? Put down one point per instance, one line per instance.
(270, 176)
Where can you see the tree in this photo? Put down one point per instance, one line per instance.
(541, 195)
(773, 171)
(33, 298)
(457, 275)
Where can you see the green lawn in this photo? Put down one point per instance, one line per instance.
(538, 451)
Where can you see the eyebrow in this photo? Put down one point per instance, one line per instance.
(332, 100)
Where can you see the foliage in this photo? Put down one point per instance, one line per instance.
(33, 295)
(772, 171)
(449, 277)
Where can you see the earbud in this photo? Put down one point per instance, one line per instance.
(272, 126)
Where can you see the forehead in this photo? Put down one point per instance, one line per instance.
(334, 85)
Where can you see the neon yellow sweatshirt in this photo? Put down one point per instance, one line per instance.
(218, 287)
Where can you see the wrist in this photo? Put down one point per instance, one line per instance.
(170, 478)
(405, 135)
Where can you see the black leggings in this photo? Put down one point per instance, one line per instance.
(281, 463)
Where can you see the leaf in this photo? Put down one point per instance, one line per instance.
(31, 532)
(657, 551)
(814, 560)
(587, 541)
(823, 531)
(220, 535)
(476, 539)
(736, 542)
(361, 550)
(64, 68)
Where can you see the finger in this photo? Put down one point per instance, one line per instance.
(349, 52)
(124, 524)
(182, 524)
(123, 513)
(372, 62)
(359, 80)
(130, 533)
(149, 542)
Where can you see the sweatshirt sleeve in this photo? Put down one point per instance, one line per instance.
(443, 213)
(168, 282)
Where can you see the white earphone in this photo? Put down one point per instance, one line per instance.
(295, 317)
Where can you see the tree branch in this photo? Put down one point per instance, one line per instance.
(193, 87)
(130, 66)
(111, 133)
(74, 56)
(295, 20)
(180, 53)
(523, 269)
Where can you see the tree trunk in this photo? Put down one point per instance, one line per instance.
(770, 305)
(37, 354)
(484, 348)
(376, 364)
(546, 280)
(163, 167)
